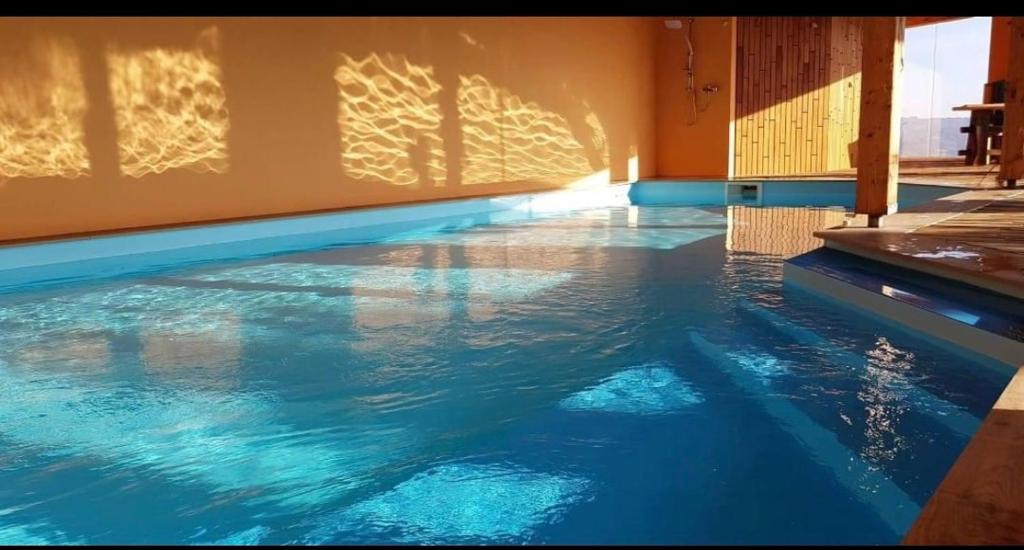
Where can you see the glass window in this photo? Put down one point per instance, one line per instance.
(944, 65)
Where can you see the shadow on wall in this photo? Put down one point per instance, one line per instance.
(151, 114)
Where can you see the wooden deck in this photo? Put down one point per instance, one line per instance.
(977, 237)
(998, 225)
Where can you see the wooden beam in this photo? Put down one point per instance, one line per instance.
(999, 48)
(920, 21)
(878, 145)
(1011, 166)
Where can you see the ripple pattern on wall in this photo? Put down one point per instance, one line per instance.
(170, 108)
(507, 139)
(42, 106)
(390, 121)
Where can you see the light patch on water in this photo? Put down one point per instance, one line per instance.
(68, 328)
(176, 309)
(762, 365)
(35, 534)
(462, 503)
(651, 388)
(496, 283)
(228, 441)
(249, 537)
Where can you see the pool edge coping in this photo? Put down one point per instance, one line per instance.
(977, 502)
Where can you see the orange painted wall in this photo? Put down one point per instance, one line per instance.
(999, 48)
(701, 148)
(109, 124)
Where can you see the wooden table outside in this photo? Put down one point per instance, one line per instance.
(981, 120)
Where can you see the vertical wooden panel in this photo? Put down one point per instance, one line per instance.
(1012, 167)
(879, 138)
(844, 92)
(796, 101)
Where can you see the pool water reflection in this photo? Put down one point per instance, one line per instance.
(616, 375)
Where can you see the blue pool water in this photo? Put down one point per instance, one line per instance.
(613, 375)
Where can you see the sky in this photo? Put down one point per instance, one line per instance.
(958, 51)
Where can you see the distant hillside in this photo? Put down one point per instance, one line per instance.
(946, 138)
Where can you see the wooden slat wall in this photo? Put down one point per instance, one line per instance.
(797, 97)
(844, 92)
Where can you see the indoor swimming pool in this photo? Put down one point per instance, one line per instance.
(621, 374)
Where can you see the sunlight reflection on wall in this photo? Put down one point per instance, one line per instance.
(506, 139)
(170, 108)
(42, 104)
(390, 121)
(633, 165)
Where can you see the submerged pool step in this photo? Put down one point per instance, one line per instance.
(868, 483)
(969, 318)
(946, 413)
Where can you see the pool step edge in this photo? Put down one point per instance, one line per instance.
(836, 239)
(962, 335)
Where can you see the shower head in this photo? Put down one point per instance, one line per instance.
(673, 24)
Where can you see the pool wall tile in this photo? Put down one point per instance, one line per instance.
(773, 193)
(678, 193)
(85, 258)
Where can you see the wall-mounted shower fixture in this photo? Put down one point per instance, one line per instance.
(676, 24)
(708, 90)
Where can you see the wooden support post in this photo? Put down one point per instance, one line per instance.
(981, 137)
(971, 151)
(1011, 161)
(878, 145)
